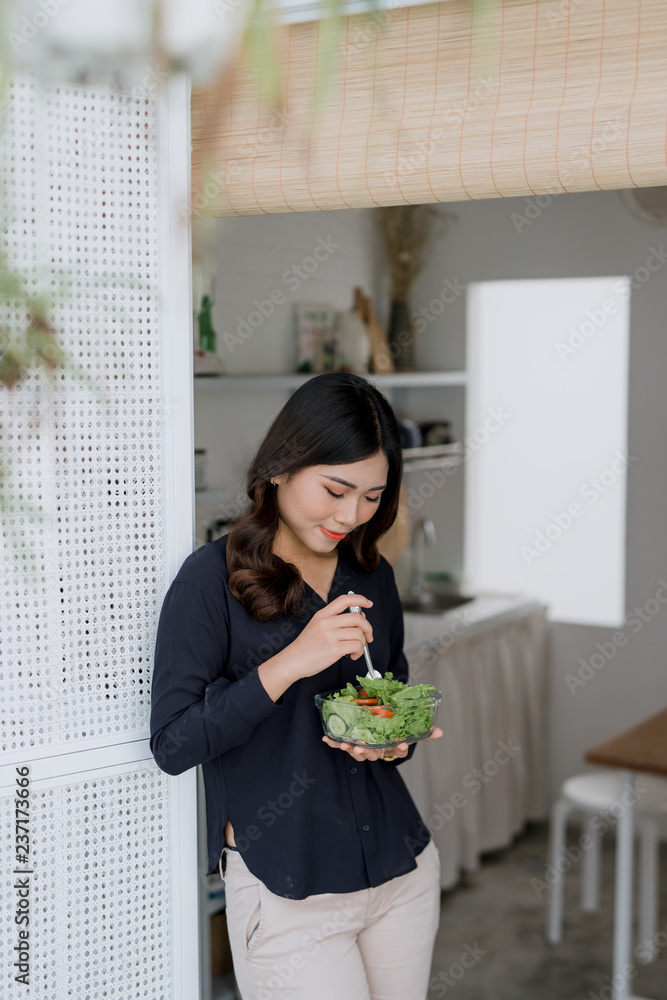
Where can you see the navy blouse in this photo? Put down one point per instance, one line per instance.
(307, 818)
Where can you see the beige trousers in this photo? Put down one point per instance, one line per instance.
(373, 944)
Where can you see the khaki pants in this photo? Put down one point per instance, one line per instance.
(373, 944)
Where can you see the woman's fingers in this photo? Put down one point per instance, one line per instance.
(362, 753)
(346, 601)
(364, 634)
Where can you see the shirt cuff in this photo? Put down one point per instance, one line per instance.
(251, 700)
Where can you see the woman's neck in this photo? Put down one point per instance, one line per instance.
(291, 549)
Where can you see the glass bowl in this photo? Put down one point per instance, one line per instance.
(367, 726)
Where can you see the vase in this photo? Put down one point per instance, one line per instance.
(401, 337)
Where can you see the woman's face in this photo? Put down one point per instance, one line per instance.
(320, 504)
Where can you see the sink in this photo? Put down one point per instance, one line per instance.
(436, 605)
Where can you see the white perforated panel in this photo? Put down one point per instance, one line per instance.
(98, 893)
(78, 608)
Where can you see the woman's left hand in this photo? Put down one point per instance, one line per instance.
(361, 753)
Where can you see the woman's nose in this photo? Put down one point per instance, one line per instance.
(346, 513)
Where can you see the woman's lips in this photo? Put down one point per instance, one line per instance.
(333, 534)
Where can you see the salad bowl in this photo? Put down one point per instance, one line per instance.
(379, 713)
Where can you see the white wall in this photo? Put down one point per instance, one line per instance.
(255, 255)
(583, 235)
(577, 235)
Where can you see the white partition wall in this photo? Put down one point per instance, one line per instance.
(548, 407)
(103, 860)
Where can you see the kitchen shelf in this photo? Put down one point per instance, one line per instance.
(438, 456)
(393, 380)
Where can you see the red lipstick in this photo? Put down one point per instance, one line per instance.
(332, 534)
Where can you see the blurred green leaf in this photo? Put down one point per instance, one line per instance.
(328, 48)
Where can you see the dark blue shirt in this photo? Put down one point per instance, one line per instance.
(306, 817)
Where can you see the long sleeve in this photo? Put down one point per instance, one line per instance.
(398, 663)
(197, 712)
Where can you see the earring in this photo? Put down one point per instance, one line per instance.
(273, 482)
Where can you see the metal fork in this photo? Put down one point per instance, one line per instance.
(372, 674)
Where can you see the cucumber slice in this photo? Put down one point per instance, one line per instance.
(359, 733)
(336, 725)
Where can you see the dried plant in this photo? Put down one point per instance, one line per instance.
(409, 233)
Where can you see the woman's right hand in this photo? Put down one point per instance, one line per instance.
(331, 633)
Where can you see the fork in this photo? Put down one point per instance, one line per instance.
(372, 674)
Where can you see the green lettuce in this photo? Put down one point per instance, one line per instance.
(413, 707)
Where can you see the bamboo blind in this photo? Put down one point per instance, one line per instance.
(553, 96)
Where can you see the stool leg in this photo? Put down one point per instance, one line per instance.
(590, 869)
(561, 810)
(648, 889)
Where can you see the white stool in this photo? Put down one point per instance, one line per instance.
(598, 793)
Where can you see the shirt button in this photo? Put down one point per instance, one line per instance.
(365, 827)
(353, 770)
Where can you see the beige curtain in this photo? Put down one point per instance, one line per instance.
(432, 103)
(493, 682)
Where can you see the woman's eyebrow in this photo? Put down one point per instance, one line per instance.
(343, 482)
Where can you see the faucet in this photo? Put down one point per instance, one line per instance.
(423, 534)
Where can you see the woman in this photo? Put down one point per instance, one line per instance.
(332, 880)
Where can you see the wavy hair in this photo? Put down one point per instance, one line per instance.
(332, 419)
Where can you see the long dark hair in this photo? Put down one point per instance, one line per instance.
(332, 419)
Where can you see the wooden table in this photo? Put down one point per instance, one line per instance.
(642, 748)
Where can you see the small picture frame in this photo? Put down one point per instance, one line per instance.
(315, 337)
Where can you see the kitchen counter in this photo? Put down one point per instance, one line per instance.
(476, 787)
(484, 610)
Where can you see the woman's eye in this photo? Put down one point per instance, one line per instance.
(338, 496)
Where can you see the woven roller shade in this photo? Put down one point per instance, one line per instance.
(559, 95)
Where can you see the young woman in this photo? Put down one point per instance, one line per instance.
(332, 881)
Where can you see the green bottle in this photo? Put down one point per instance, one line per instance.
(207, 337)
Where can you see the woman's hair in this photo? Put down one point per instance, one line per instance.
(333, 419)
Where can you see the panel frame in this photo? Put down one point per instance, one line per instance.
(106, 755)
(178, 487)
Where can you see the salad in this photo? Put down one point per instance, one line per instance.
(382, 711)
